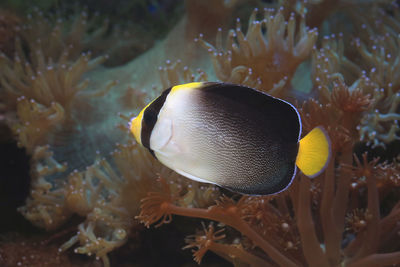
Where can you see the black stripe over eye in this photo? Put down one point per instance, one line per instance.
(150, 116)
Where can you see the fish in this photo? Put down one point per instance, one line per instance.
(230, 135)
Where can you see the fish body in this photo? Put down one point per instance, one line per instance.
(230, 135)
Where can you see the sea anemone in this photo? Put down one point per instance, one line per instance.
(267, 56)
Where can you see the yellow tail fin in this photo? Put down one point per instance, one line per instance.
(314, 152)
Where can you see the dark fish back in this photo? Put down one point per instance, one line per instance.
(268, 129)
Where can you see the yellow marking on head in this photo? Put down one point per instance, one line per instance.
(187, 86)
(314, 152)
(136, 127)
(136, 124)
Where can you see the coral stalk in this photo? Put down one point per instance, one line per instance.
(228, 216)
(383, 259)
(311, 246)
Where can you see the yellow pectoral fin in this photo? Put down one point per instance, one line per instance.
(314, 152)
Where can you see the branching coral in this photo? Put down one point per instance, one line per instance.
(206, 240)
(53, 119)
(43, 87)
(109, 197)
(45, 206)
(43, 95)
(174, 74)
(266, 61)
(378, 124)
(35, 122)
(335, 219)
(381, 127)
(329, 64)
(318, 11)
(55, 35)
(226, 211)
(377, 229)
(218, 15)
(254, 218)
(46, 82)
(339, 115)
(97, 194)
(380, 55)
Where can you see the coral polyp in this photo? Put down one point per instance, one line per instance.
(266, 61)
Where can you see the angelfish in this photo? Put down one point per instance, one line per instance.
(230, 135)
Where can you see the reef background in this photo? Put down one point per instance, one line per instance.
(77, 191)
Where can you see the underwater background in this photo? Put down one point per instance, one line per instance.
(76, 190)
